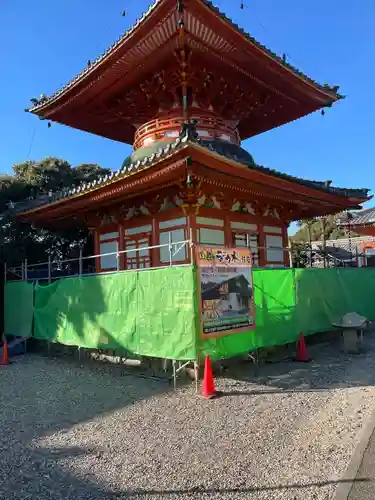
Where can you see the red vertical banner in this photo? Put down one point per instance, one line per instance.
(225, 288)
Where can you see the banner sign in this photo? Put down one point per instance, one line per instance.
(225, 288)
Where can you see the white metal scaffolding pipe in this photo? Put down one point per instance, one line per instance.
(170, 247)
(80, 265)
(49, 270)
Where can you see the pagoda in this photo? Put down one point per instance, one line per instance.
(185, 85)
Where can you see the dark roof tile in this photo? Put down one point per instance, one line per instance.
(360, 218)
(229, 151)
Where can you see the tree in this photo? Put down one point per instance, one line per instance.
(307, 225)
(20, 241)
(301, 254)
(313, 230)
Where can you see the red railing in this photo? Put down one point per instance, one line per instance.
(156, 129)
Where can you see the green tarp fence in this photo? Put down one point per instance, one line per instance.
(18, 309)
(154, 312)
(150, 313)
(289, 301)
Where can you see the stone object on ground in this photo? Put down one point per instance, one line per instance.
(350, 324)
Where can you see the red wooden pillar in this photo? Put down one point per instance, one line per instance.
(262, 246)
(192, 228)
(228, 238)
(96, 237)
(155, 252)
(121, 244)
(192, 233)
(286, 255)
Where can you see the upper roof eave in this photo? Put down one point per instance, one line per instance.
(330, 91)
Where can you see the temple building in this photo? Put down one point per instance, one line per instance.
(362, 222)
(185, 86)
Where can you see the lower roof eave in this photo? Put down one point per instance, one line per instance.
(127, 188)
(273, 180)
(171, 165)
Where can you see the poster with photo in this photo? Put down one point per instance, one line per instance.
(225, 288)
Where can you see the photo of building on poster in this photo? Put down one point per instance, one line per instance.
(226, 291)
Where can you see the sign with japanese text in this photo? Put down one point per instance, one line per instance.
(225, 290)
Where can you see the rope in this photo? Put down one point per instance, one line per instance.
(32, 141)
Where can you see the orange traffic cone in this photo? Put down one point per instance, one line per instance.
(208, 387)
(302, 355)
(4, 357)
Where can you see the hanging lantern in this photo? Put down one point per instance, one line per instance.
(123, 13)
(49, 124)
(322, 112)
(242, 6)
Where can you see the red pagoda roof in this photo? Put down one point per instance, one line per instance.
(114, 184)
(119, 91)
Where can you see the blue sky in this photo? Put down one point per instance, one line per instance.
(44, 44)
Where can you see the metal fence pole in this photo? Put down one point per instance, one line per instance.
(323, 225)
(5, 273)
(80, 266)
(49, 269)
(174, 374)
(191, 246)
(118, 261)
(25, 269)
(170, 247)
(290, 255)
(196, 374)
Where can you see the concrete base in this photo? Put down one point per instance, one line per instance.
(350, 340)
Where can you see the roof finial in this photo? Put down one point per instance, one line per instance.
(189, 130)
(180, 6)
(183, 58)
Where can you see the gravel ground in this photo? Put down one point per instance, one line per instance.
(284, 431)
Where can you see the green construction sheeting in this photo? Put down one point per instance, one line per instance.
(18, 309)
(274, 315)
(153, 312)
(293, 300)
(325, 295)
(149, 313)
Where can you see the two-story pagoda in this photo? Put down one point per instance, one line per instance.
(185, 86)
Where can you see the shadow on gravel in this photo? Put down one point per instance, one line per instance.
(225, 491)
(41, 474)
(39, 397)
(61, 394)
(330, 368)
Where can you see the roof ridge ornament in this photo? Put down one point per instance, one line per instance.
(188, 131)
